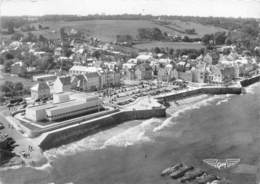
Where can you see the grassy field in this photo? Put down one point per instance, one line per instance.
(199, 28)
(173, 45)
(107, 30)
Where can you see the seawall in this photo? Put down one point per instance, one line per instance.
(68, 135)
(198, 91)
(252, 80)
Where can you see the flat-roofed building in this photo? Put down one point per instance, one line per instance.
(37, 113)
(65, 105)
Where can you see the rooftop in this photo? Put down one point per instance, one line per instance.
(87, 69)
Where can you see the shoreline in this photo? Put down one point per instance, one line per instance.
(40, 160)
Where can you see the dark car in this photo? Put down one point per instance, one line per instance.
(16, 100)
(189, 176)
(171, 169)
(181, 172)
(207, 179)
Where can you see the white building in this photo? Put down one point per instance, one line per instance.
(63, 106)
(44, 77)
(62, 84)
(40, 90)
(77, 70)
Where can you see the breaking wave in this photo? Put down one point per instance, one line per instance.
(251, 89)
(228, 97)
(137, 134)
(120, 137)
(193, 105)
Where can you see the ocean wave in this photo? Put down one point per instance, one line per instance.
(120, 137)
(11, 167)
(251, 89)
(193, 105)
(226, 99)
(44, 167)
(137, 134)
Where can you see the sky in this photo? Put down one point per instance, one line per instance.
(219, 8)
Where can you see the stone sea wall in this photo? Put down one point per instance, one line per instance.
(252, 80)
(68, 135)
(198, 91)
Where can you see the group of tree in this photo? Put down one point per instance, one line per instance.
(218, 38)
(151, 34)
(190, 31)
(11, 89)
(175, 53)
(124, 38)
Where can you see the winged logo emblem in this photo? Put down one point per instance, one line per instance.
(222, 164)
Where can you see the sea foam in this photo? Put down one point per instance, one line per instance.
(169, 122)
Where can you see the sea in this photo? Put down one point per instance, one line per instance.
(135, 152)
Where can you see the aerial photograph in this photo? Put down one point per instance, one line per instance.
(129, 91)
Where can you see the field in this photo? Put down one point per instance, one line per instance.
(199, 28)
(106, 30)
(173, 45)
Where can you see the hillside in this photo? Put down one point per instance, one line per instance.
(107, 30)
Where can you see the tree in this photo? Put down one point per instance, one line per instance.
(186, 39)
(7, 65)
(96, 54)
(8, 88)
(17, 36)
(18, 86)
(157, 50)
(10, 27)
(220, 38)
(42, 38)
(228, 41)
(157, 34)
(207, 38)
(45, 63)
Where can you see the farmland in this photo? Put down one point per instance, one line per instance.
(170, 45)
(199, 28)
(106, 30)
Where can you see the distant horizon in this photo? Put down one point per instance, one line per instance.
(143, 15)
(200, 8)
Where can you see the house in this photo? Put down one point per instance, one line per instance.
(215, 75)
(167, 73)
(143, 58)
(198, 73)
(208, 59)
(186, 76)
(93, 81)
(44, 77)
(79, 82)
(62, 84)
(130, 74)
(112, 78)
(163, 74)
(40, 90)
(77, 70)
(144, 72)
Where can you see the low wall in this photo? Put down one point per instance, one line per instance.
(198, 91)
(80, 131)
(250, 81)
